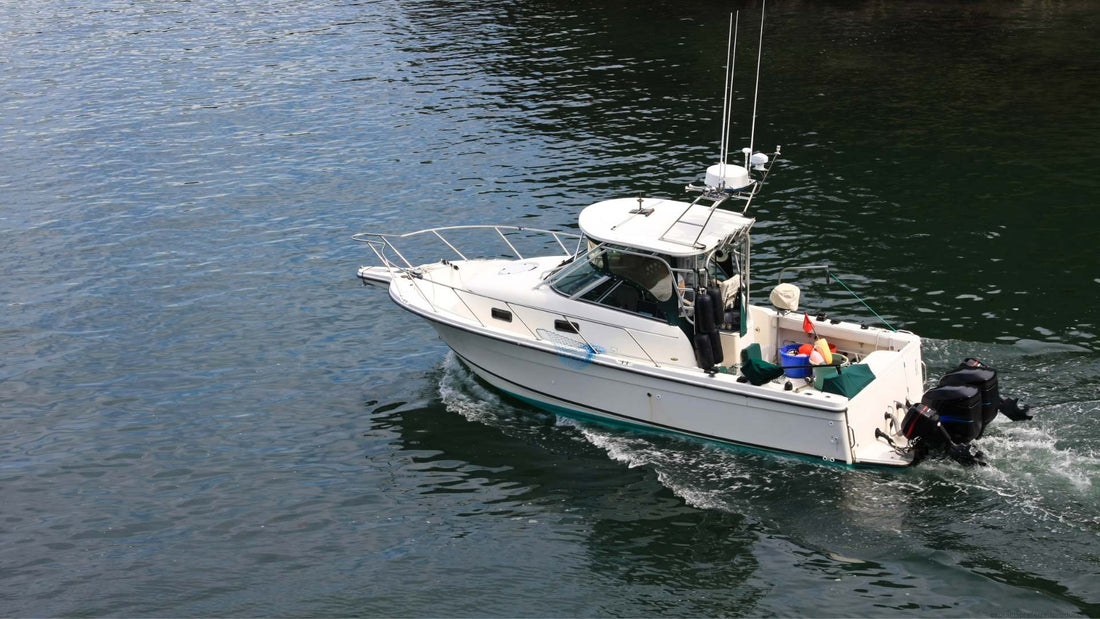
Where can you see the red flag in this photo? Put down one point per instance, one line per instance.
(807, 326)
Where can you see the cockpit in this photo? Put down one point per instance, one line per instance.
(654, 285)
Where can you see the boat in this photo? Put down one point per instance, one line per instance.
(648, 318)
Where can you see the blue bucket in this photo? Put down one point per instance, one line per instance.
(788, 355)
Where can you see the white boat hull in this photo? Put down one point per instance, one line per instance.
(567, 384)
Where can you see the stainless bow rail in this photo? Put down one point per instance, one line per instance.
(380, 242)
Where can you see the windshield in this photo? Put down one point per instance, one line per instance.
(621, 279)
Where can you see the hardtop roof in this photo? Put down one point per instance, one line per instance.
(666, 227)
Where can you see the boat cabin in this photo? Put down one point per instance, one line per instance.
(657, 258)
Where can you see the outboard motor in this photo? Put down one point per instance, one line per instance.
(985, 380)
(957, 412)
(977, 374)
(960, 410)
(925, 430)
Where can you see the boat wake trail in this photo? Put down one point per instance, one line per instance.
(703, 476)
(1041, 489)
(461, 393)
(1038, 493)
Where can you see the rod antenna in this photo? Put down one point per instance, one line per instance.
(759, 53)
(731, 48)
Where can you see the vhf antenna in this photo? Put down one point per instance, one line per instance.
(727, 93)
(759, 53)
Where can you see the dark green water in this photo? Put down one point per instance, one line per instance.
(203, 413)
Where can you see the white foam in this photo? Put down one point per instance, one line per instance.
(461, 393)
(1029, 450)
(703, 476)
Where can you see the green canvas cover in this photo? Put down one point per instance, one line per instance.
(754, 368)
(850, 381)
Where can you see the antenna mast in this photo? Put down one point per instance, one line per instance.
(725, 180)
(759, 53)
(727, 91)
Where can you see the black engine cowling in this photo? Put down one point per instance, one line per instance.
(920, 422)
(957, 412)
(972, 372)
(959, 408)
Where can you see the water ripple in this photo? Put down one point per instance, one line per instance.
(201, 405)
